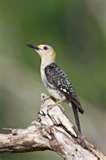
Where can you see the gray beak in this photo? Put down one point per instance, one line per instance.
(33, 46)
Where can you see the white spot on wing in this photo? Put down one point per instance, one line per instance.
(64, 90)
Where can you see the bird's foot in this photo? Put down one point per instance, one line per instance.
(54, 105)
(58, 103)
(46, 98)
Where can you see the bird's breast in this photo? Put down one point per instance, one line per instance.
(43, 77)
(51, 89)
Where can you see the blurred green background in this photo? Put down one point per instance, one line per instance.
(77, 30)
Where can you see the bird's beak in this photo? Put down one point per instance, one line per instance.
(33, 47)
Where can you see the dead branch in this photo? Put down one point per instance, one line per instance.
(51, 131)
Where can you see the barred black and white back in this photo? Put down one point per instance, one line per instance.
(58, 80)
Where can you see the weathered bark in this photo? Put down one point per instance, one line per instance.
(51, 131)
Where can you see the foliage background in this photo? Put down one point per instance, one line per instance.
(77, 30)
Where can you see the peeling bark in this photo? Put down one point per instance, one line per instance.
(51, 131)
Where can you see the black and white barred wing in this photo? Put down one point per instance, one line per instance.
(59, 80)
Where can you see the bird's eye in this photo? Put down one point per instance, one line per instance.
(45, 48)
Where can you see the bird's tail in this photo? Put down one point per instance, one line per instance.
(74, 100)
(76, 115)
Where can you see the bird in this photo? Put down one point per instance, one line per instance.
(56, 81)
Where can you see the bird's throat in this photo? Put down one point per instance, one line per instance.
(46, 61)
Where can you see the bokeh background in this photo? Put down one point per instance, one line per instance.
(77, 30)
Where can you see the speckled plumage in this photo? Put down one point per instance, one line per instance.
(58, 80)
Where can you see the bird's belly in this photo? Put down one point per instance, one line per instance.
(56, 94)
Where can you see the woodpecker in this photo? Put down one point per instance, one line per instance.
(56, 80)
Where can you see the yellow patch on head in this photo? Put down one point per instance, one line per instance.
(40, 46)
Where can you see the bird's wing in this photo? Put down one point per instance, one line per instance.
(58, 79)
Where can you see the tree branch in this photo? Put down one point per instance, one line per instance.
(51, 131)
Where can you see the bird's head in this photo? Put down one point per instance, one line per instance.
(45, 51)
